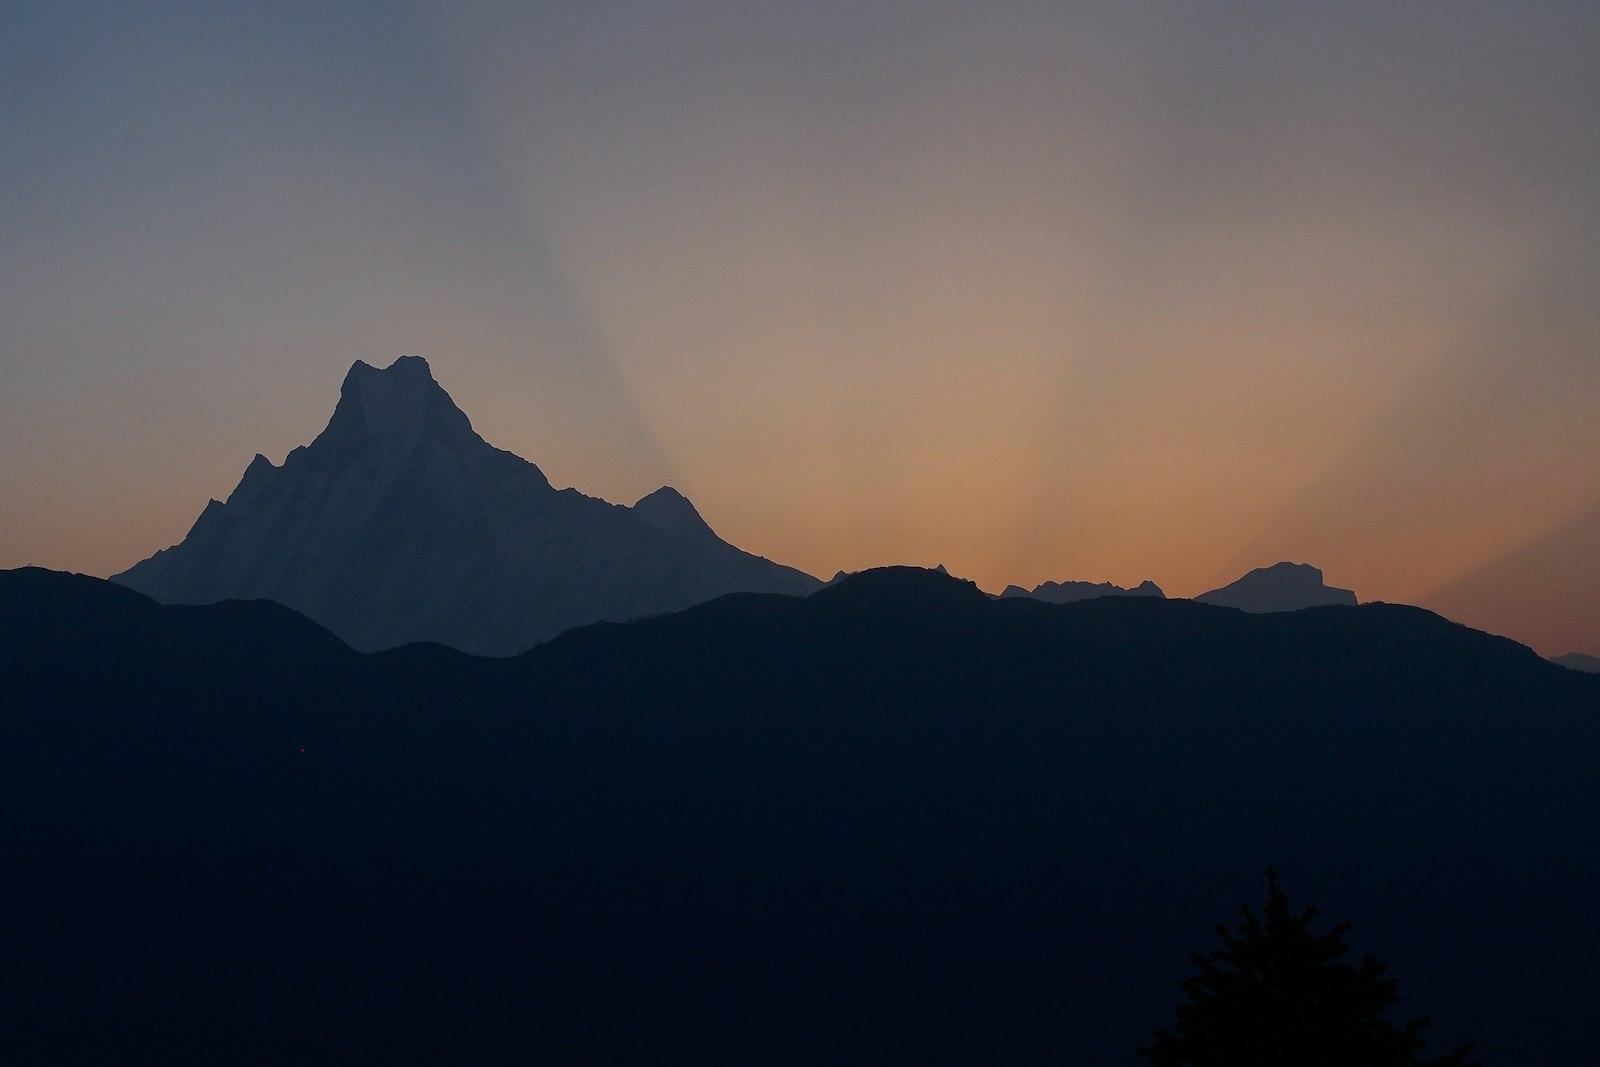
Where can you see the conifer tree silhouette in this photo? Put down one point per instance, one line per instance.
(1277, 994)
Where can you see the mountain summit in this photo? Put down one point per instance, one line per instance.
(399, 523)
(391, 410)
(1280, 587)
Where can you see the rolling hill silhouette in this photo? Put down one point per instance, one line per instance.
(893, 821)
(400, 524)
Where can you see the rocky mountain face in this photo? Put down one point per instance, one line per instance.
(400, 524)
(1070, 592)
(1280, 587)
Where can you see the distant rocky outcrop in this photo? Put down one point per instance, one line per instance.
(400, 524)
(1579, 662)
(1070, 592)
(1280, 587)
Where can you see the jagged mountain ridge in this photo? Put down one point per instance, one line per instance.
(399, 523)
(1071, 592)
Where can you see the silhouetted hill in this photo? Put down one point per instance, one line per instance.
(46, 610)
(1280, 587)
(400, 524)
(1071, 592)
(899, 589)
(1578, 661)
(894, 821)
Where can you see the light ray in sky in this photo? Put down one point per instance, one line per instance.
(1047, 291)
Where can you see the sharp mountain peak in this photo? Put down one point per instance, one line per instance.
(667, 509)
(399, 523)
(391, 409)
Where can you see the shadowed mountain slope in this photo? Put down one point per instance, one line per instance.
(894, 821)
(1280, 587)
(400, 524)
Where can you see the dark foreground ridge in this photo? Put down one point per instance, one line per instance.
(894, 821)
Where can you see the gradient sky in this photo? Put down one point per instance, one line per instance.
(1038, 291)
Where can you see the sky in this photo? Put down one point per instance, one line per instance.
(1099, 292)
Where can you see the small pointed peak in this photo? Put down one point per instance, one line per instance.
(668, 509)
(213, 512)
(939, 569)
(411, 366)
(258, 473)
(666, 492)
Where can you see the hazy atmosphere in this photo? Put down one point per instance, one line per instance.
(1085, 292)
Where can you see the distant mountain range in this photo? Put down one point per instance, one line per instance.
(1070, 592)
(1578, 661)
(401, 524)
(895, 821)
(1280, 587)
